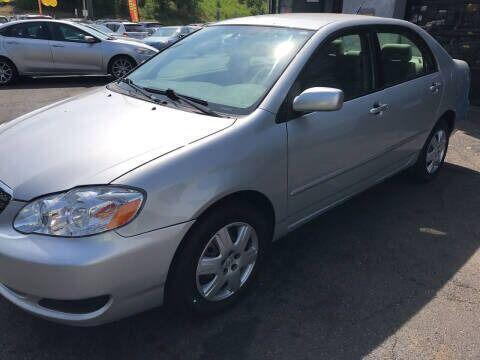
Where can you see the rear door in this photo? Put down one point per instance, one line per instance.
(28, 46)
(412, 88)
(72, 54)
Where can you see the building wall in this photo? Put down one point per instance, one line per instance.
(385, 8)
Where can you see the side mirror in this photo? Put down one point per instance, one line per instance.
(319, 99)
(89, 39)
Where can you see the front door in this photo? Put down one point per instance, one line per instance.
(331, 154)
(28, 45)
(72, 54)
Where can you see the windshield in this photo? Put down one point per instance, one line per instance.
(166, 31)
(230, 67)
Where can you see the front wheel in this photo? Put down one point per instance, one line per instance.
(220, 259)
(432, 157)
(121, 66)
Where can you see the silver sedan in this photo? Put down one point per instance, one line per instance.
(169, 185)
(49, 47)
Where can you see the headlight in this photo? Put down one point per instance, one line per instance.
(146, 52)
(79, 212)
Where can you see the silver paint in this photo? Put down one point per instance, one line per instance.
(186, 162)
(52, 57)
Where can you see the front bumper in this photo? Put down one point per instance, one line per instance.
(131, 271)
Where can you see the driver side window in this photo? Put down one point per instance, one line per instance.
(342, 63)
(69, 33)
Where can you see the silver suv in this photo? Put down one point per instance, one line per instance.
(50, 47)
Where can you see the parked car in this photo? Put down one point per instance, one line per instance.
(169, 185)
(3, 19)
(167, 35)
(51, 47)
(133, 30)
(103, 29)
(151, 26)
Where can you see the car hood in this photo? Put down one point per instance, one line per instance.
(92, 139)
(132, 42)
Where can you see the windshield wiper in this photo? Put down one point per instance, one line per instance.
(198, 104)
(138, 89)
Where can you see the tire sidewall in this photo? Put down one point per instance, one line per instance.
(421, 165)
(185, 295)
(116, 58)
(15, 72)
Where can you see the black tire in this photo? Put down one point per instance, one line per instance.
(182, 292)
(8, 72)
(120, 66)
(421, 171)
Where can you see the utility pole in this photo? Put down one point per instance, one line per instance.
(40, 7)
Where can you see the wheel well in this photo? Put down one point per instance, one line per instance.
(255, 198)
(118, 56)
(10, 61)
(449, 117)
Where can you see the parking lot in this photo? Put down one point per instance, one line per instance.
(392, 274)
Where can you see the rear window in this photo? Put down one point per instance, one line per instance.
(134, 28)
(113, 27)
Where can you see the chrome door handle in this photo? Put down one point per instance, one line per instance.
(378, 109)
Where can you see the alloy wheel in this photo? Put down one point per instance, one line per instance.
(121, 67)
(6, 72)
(227, 261)
(436, 151)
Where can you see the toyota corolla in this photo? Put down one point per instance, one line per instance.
(168, 185)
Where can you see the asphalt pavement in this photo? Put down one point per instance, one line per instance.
(391, 274)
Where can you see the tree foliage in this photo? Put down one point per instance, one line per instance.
(165, 11)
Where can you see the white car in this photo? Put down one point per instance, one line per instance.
(133, 30)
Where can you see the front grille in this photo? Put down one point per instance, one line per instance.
(4, 200)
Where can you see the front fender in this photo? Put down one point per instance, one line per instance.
(250, 155)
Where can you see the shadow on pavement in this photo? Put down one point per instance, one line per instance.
(334, 289)
(28, 83)
(470, 125)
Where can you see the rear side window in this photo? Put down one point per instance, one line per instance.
(29, 30)
(403, 57)
(113, 27)
(343, 63)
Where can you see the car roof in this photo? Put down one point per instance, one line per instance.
(42, 20)
(308, 21)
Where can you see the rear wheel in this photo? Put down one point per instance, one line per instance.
(220, 259)
(432, 157)
(8, 72)
(121, 66)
